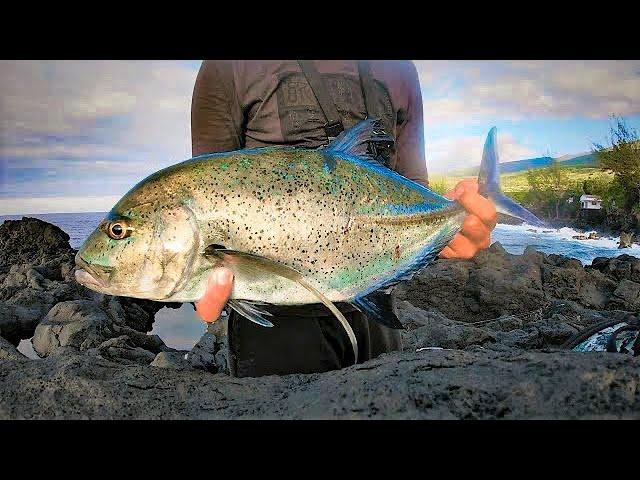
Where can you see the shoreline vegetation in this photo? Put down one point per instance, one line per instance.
(553, 190)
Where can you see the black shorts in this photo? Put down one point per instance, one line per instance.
(304, 341)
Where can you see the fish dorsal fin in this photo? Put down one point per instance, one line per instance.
(366, 140)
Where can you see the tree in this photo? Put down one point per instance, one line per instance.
(622, 158)
(549, 186)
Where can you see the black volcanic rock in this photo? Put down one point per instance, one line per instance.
(623, 267)
(483, 339)
(38, 286)
(77, 324)
(8, 351)
(496, 283)
(173, 360)
(480, 383)
(30, 240)
(432, 329)
(122, 350)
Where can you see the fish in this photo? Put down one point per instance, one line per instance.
(296, 226)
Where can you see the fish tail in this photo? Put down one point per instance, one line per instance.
(489, 180)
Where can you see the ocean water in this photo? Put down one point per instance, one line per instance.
(77, 225)
(515, 238)
(181, 328)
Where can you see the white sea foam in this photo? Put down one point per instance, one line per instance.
(515, 238)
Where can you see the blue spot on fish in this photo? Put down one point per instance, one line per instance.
(397, 210)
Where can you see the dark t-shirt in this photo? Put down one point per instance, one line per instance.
(244, 103)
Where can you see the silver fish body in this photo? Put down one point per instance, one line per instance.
(345, 224)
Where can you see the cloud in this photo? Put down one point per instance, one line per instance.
(452, 153)
(49, 151)
(60, 97)
(518, 90)
(32, 205)
(98, 111)
(453, 110)
(97, 127)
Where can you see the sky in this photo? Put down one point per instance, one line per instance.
(76, 135)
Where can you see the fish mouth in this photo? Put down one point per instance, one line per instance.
(86, 275)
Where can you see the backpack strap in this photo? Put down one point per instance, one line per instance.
(369, 92)
(334, 126)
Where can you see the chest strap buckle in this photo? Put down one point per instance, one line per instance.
(333, 129)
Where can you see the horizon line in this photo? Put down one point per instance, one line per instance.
(45, 213)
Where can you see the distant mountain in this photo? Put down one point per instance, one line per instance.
(586, 159)
(582, 160)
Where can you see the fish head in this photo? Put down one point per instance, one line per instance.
(140, 250)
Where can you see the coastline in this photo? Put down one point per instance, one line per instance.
(602, 230)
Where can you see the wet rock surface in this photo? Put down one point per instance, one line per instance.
(8, 351)
(478, 383)
(483, 339)
(40, 296)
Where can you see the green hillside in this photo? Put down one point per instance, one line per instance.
(586, 160)
(515, 184)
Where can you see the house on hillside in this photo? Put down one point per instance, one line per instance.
(590, 202)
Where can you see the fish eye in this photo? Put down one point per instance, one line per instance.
(118, 230)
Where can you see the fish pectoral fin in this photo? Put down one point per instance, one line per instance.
(378, 306)
(249, 310)
(258, 266)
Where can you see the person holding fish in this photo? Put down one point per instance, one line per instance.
(306, 202)
(307, 104)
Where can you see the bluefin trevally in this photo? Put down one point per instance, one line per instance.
(296, 226)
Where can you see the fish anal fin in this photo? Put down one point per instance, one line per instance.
(378, 305)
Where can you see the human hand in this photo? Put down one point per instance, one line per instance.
(475, 234)
(219, 286)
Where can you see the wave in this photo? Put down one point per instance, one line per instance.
(515, 238)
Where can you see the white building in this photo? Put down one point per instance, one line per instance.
(590, 202)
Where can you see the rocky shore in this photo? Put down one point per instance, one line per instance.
(483, 339)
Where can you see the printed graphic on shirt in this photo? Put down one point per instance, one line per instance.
(301, 119)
